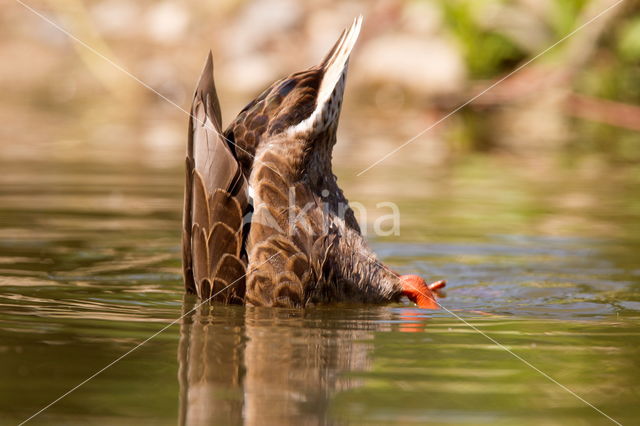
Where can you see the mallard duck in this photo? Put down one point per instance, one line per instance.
(265, 222)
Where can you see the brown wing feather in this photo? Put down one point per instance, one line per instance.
(199, 252)
(200, 209)
(231, 271)
(228, 209)
(222, 240)
(215, 200)
(187, 262)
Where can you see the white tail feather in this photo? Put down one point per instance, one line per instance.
(332, 86)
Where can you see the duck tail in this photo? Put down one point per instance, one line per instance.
(334, 72)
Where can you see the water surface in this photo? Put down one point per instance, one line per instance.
(544, 263)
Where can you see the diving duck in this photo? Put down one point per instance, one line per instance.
(265, 222)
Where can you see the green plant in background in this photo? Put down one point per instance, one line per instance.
(614, 73)
(628, 60)
(486, 51)
(629, 41)
(563, 14)
(603, 65)
(491, 50)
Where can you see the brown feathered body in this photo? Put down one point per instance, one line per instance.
(265, 222)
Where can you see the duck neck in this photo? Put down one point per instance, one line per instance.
(357, 266)
(318, 158)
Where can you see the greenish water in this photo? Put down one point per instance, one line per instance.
(542, 259)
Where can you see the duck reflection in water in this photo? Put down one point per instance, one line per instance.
(260, 366)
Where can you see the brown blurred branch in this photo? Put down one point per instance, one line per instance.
(604, 111)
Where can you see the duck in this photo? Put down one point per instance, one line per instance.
(264, 221)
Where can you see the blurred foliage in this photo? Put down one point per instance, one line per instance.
(417, 61)
(491, 51)
(615, 72)
(486, 51)
(629, 44)
(610, 70)
(624, 68)
(564, 14)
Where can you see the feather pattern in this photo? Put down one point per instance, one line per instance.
(265, 222)
(282, 258)
(214, 204)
